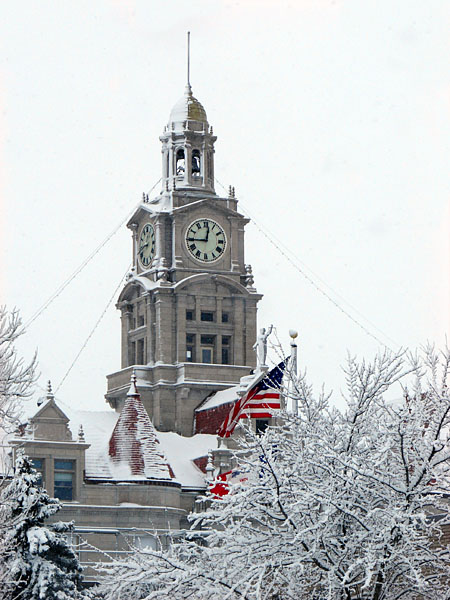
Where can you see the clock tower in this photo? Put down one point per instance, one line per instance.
(188, 308)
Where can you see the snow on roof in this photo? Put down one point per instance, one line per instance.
(146, 283)
(134, 447)
(181, 451)
(219, 398)
(98, 427)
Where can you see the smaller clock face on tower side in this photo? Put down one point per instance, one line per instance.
(205, 240)
(146, 245)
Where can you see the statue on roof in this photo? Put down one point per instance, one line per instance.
(260, 346)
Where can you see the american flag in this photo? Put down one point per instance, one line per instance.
(259, 402)
(221, 485)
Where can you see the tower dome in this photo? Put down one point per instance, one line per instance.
(188, 146)
(188, 108)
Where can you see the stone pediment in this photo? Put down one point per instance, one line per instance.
(144, 210)
(51, 423)
(215, 204)
(200, 278)
(50, 410)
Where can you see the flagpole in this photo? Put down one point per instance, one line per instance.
(293, 369)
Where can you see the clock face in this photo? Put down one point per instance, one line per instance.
(146, 245)
(205, 240)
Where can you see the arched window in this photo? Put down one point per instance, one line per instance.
(180, 168)
(196, 162)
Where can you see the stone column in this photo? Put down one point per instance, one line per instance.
(164, 325)
(181, 328)
(219, 334)
(135, 244)
(124, 325)
(198, 311)
(188, 164)
(250, 332)
(241, 246)
(238, 321)
(234, 243)
(177, 240)
(150, 328)
(172, 159)
(159, 241)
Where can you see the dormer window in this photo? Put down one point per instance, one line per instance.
(64, 479)
(180, 166)
(196, 162)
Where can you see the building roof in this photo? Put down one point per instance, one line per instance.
(188, 108)
(178, 451)
(219, 398)
(134, 448)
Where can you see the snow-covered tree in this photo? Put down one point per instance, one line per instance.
(16, 377)
(36, 561)
(338, 504)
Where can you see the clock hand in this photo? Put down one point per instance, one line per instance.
(207, 232)
(142, 247)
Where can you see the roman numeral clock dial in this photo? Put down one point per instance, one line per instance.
(205, 240)
(146, 245)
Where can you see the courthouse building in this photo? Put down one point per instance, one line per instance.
(188, 327)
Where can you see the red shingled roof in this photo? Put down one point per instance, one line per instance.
(134, 447)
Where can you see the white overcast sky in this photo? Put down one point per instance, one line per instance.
(333, 125)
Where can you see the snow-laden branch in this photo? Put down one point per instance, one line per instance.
(336, 504)
(16, 377)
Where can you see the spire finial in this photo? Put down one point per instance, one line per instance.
(188, 59)
(50, 394)
(210, 467)
(133, 387)
(81, 437)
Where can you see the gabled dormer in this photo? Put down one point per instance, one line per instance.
(50, 423)
(55, 454)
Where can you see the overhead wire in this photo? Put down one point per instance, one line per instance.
(77, 271)
(93, 330)
(294, 262)
(283, 250)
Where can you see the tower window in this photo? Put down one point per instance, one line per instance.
(196, 162)
(64, 475)
(226, 350)
(132, 353)
(140, 353)
(180, 166)
(141, 321)
(207, 316)
(189, 315)
(207, 355)
(190, 347)
(207, 348)
(225, 317)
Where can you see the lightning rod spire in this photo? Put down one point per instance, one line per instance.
(188, 58)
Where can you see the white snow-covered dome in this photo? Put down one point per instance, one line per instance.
(188, 108)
